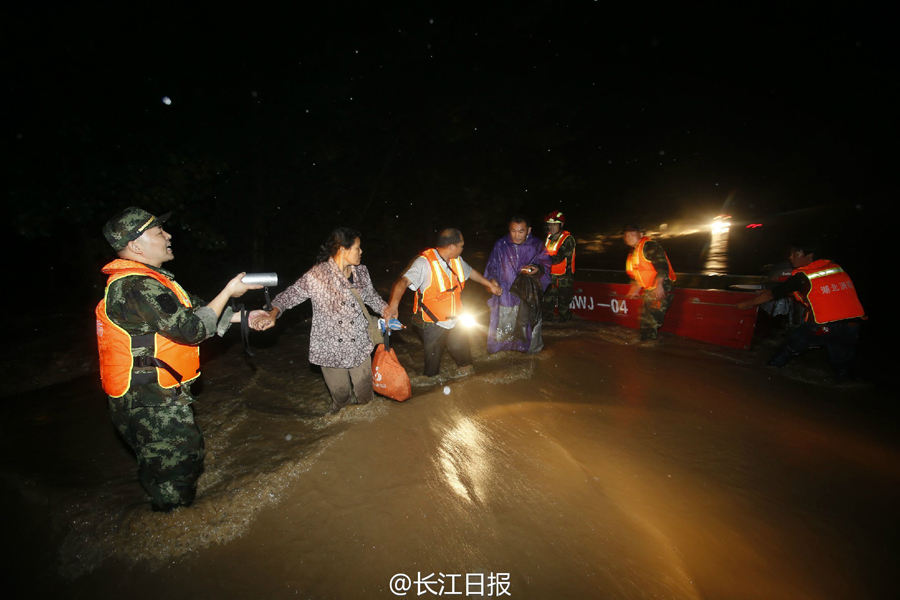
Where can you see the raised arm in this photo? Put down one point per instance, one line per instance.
(234, 289)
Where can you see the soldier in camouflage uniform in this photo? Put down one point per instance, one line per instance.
(652, 276)
(142, 300)
(561, 248)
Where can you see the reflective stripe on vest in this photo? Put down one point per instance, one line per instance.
(442, 295)
(832, 295)
(116, 347)
(553, 249)
(643, 270)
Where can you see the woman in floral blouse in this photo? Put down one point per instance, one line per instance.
(339, 341)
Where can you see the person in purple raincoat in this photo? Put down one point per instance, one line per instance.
(517, 255)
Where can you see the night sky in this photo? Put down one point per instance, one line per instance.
(263, 128)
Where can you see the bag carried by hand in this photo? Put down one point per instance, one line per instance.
(389, 378)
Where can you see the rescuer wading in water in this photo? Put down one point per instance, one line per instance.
(833, 310)
(561, 248)
(651, 276)
(148, 330)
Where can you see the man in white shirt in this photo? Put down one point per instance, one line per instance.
(438, 277)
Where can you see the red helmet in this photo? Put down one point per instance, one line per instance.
(556, 217)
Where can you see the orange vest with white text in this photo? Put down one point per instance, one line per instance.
(831, 296)
(442, 296)
(642, 270)
(115, 344)
(553, 249)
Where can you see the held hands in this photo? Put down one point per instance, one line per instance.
(260, 320)
(236, 317)
(495, 288)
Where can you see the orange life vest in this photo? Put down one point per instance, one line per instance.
(553, 249)
(116, 345)
(642, 270)
(443, 295)
(831, 295)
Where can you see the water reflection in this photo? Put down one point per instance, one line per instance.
(717, 257)
(463, 460)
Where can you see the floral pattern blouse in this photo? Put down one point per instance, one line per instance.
(340, 336)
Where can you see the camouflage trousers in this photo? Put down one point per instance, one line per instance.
(562, 290)
(167, 442)
(654, 312)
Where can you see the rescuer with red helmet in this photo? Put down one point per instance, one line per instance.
(561, 248)
(833, 310)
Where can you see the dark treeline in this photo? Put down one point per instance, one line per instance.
(282, 127)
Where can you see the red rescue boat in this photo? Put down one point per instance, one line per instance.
(707, 315)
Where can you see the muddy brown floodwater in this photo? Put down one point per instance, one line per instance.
(598, 469)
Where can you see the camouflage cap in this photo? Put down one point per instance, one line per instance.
(129, 225)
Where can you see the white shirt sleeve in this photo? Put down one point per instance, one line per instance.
(419, 273)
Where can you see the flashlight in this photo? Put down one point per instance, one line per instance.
(263, 279)
(467, 320)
